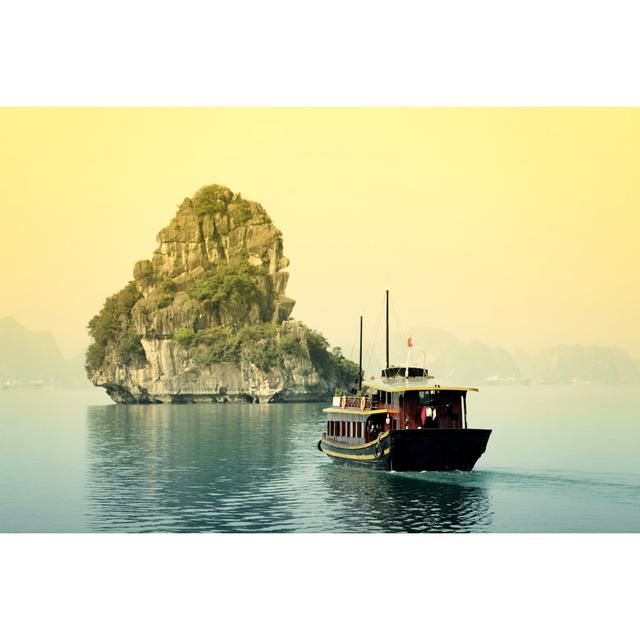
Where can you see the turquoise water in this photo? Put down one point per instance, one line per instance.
(560, 459)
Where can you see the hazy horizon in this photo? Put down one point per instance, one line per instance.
(398, 342)
(28, 356)
(515, 227)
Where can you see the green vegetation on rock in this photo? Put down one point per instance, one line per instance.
(260, 344)
(164, 294)
(130, 347)
(111, 327)
(232, 282)
(327, 361)
(235, 285)
(215, 200)
(211, 200)
(292, 346)
(185, 336)
(266, 346)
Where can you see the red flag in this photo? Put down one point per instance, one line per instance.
(409, 343)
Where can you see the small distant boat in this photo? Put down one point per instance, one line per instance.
(405, 421)
(496, 379)
(19, 384)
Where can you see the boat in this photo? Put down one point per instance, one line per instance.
(404, 420)
(19, 384)
(495, 379)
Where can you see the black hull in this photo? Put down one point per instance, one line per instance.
(413, 450)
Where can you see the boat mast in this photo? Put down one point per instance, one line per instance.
(360, 360)
(387, 338)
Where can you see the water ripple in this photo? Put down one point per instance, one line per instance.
(252, 468)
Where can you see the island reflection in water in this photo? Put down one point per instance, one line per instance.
(251, 468)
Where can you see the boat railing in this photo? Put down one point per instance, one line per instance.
(363, 403)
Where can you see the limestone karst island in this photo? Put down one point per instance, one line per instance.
(207, 318)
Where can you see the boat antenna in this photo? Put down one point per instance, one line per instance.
(360, 360)
(387, 338)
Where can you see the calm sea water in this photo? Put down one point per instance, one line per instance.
(560, 459)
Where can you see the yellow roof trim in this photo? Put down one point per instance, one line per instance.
(396, 389)
(350, 456)
(368, 412)
(335, 443)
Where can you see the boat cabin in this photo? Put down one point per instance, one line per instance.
(403, 398)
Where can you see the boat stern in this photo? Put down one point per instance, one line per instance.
(437, 449)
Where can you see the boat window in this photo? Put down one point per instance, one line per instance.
(424, 397)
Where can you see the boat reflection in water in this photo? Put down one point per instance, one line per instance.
(408, 502)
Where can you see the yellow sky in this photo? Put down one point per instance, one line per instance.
(518, 227)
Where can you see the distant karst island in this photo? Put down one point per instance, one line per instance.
(207, 318)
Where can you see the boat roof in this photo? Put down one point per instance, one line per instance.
(361, 412)
(399, 384)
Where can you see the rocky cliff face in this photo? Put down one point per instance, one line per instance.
(207, 318)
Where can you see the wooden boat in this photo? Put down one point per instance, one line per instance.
(404, 421)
